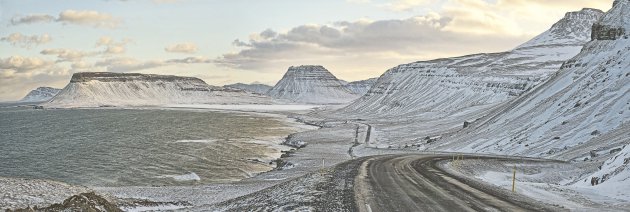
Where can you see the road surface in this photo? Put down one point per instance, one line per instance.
(417, 183)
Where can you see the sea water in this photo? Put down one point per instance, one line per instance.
(133, 147)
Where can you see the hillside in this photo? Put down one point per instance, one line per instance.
(412, 101)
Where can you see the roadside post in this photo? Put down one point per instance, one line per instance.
(514, 179)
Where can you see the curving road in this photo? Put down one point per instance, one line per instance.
(417, 183)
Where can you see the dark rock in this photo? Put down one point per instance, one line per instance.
(125, 77)
(615, 150)
(593, 153)
(82, 202)
(604, 32)
(466, 124)
(596, 132)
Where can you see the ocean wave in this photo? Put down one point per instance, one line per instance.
(191, 176)
(197, 141)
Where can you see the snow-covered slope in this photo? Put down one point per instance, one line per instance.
(40, 94)
(97, 89)
(613, 176)
(588, 98)
(256, 88)
(311, 84)
(427, 98)
(361, 87)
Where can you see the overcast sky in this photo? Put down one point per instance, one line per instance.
(226, 41)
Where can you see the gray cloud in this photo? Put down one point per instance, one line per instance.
(64, 55)
(412, 37)
(26, 41)
(126, 64)
(32, 18)
(19, 64)
(182, 48)
(190, 60)
(77, 17)
(112, 46)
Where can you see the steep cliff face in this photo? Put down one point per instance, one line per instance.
(131, 89)
(40, 94)
(313, 85)
(256, 88)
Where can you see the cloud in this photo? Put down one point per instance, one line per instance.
(452, 28)
(127, 64)
(190, 60)
(182, 48)
(77, 17)
(112, 46)
(19, 64)
(414, 37)
(26, 41)
(65, 55)
(32, 18)
(88, 18)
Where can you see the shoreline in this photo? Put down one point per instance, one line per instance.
(47, 195)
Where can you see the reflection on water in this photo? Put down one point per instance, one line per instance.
(115, 147)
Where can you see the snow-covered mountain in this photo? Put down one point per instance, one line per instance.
(588, 98)
(313, 85)
(40, 94)
(96, 89)
(256, 88)
(427, 98)
(361, 87)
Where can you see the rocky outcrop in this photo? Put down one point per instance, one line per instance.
(604, 32)
(40, 94)
(81, 202)
(311, 84)
(614, 25)
(127, 77)
(574, 28)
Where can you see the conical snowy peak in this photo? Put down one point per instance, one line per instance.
(574, 28)
(40, 94)
(311, 84)
(96, 89)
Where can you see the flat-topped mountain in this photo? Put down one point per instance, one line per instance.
(256, 88)
(361, 87)
(311, 84)
(94, 89)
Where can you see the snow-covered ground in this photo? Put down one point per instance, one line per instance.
(546, 181)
